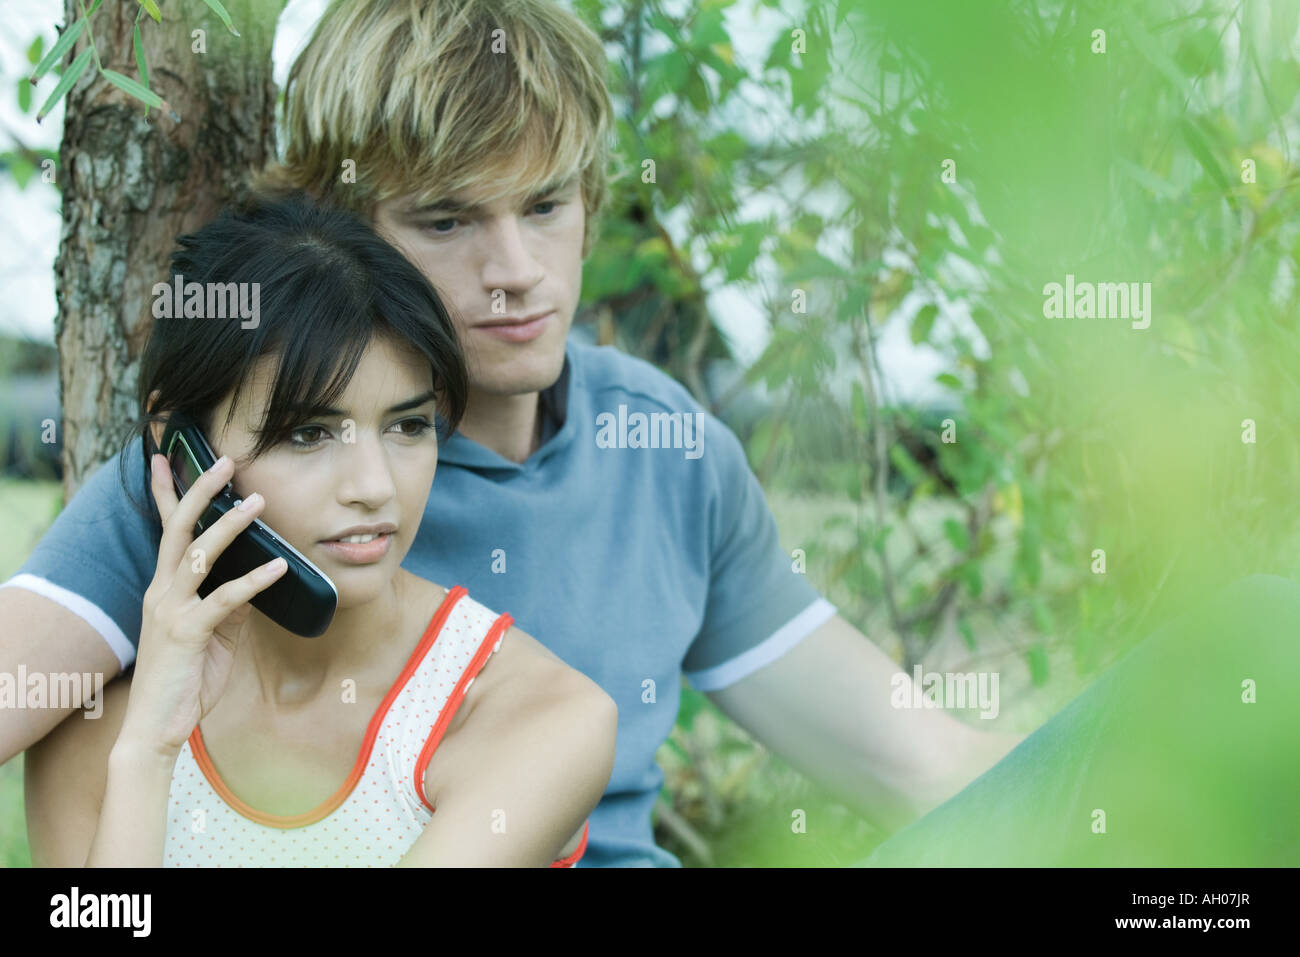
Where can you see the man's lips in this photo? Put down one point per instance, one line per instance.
(516, 330)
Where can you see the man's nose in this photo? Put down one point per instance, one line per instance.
(508, 262)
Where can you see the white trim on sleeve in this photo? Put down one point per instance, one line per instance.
(767, 651)
(79, 606)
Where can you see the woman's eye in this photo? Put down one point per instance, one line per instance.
(302, 443)
(550, 202)
(418, 427)
(433, 226)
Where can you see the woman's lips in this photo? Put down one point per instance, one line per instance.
(360, 553)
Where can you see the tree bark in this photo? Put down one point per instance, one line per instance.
(130, 184)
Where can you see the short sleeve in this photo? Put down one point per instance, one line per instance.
(99, 555)
(759, 606)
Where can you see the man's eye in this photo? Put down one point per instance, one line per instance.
(550, 202)
(432, 226)
(303, 443)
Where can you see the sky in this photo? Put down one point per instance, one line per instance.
(31, 222)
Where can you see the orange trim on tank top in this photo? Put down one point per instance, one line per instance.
(284, 821)
(582, 848)
(452, 704)
(449, 708)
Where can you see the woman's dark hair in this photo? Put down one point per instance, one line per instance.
(327, 285)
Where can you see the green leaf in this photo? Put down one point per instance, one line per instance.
(813, 265)
(34, 51)
(853, 306)
(1157, 185)
(692, 703)
(1043, 617)
(125, 83)
(858, 403)
(697, 92)
(220, 11)
(70, 76)
(709, 28)
(24, 94)
(151, 8)
(742, 255)
(923, 323)
(956, 533)
(1036, 658)
(1151, 49)
(760, 441)
(20, 167)
(950, 380)
(1201, 149)
(905, 464)
(967, 635)
(140, 63)
(969, 572)
(61, 46)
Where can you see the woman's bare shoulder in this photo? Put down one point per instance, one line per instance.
(520, 656)
(523, 662)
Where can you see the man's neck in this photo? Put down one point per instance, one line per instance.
(509, 425)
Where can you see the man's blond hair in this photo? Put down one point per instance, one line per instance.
(434, 97)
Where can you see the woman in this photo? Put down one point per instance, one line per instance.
(228, 744)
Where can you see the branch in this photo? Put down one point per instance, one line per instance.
(868, 367)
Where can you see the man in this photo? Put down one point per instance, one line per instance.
(476, 140)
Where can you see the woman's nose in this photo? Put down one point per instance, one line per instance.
(366, 476)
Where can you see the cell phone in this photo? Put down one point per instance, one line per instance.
(303, 599)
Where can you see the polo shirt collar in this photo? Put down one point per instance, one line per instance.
(558, 426)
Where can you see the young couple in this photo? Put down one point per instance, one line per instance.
(436, 290)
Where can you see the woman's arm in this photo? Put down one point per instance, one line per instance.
(132, 827)
(521, 776)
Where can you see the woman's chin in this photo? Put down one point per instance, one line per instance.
(354, 594)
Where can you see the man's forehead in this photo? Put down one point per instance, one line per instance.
(468, 202)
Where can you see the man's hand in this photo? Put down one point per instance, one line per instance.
(825, 707)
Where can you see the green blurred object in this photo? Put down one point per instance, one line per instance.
(1187, 772)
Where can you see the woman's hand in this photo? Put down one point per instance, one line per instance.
(187, 643)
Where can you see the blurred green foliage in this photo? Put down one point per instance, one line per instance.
(934, 167)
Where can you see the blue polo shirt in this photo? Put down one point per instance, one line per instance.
(635, 543)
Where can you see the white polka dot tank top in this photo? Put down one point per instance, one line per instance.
(380, 810)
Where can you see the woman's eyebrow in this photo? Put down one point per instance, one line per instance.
(400, 407)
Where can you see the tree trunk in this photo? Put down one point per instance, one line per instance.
(131, 184)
